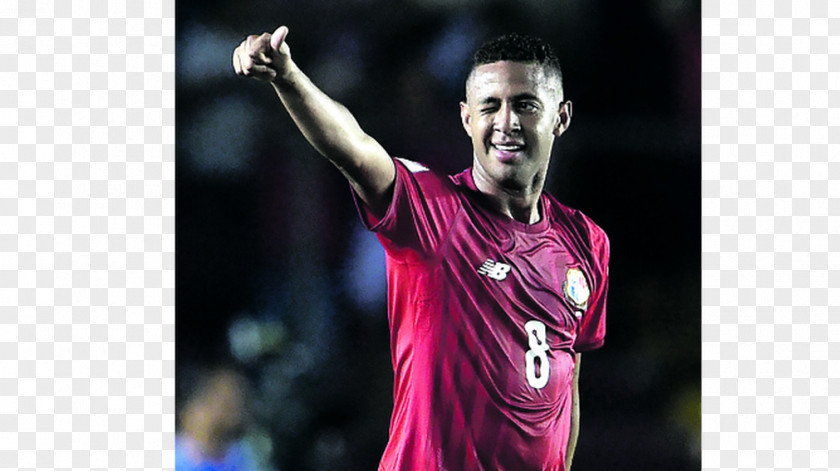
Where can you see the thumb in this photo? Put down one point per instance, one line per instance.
(277, 37)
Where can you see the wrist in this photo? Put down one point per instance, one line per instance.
(285, 77)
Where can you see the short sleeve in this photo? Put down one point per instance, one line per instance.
(419, 213)
(592, 329)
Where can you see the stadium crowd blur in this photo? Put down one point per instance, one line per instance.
(276, 276)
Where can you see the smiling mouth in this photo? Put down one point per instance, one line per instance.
(509, 147)
(508, 152)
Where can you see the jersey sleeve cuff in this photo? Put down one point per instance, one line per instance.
(369, 220)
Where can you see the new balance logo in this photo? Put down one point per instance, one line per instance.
(495, 270)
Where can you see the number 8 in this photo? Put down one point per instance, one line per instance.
(538, 350)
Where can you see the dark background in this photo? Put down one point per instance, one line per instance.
(275, 275)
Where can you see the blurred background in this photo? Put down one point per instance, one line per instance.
(279, 287)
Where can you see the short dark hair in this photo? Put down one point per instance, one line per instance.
(517, 47)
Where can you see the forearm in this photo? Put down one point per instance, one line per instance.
(333, 131)
(325, 123)
(574, 427)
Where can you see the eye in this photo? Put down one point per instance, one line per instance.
(489, 109)
(527, 107)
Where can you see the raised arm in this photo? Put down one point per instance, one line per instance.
(325, 123)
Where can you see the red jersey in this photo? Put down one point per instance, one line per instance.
(486, 314)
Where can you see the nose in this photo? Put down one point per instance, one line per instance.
(507, 121)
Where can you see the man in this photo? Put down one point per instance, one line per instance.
(214, 417)
(494, 287)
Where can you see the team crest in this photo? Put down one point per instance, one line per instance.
(575, 287)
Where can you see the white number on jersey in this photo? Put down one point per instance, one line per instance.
(538, 351)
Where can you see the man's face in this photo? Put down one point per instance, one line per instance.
(512, 114)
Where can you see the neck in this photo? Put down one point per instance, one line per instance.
(516, 202)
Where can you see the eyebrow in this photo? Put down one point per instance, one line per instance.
(521, 97)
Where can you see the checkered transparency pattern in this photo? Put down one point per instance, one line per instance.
(771, 235)
(86, 234)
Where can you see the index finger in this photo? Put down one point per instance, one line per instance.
(258, 45)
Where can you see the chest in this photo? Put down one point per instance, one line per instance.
(528, 275)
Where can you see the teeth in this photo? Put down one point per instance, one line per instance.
(507, 147)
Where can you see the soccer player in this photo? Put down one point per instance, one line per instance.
(494, 287)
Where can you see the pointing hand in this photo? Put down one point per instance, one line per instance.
(265, 57)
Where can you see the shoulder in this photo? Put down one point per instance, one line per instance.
(428, 181)
(416, 171)
(411, 165)
(422, 208)
(570, 219)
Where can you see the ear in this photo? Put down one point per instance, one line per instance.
(465, 118)
(564, 118)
